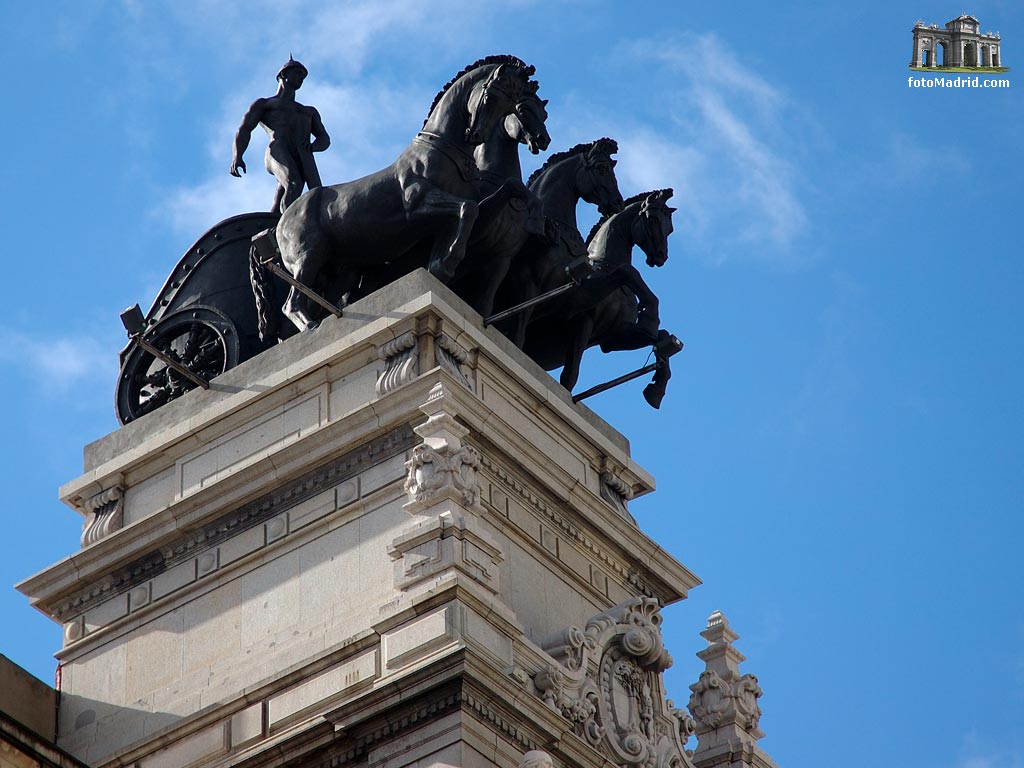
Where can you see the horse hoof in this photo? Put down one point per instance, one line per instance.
(312, 325)
(654, 394)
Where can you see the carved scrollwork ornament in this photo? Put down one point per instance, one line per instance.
(104, 515)
(451, 357)
(401, 357)
(432, 472)
(536, 758)
(606, 683)
(717, 701)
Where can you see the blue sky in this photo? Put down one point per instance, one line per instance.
(839, 455)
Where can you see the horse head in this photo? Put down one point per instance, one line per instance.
(527, 123)
(494, 97)
(596, 177)
(653, 225)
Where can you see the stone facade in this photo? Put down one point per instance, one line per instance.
(390, 542)
(961, 44)
(28, 721)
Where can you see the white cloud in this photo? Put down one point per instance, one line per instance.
(370, 119)
(364, 122)
(726, 153)
(719, 140)
(57, 362)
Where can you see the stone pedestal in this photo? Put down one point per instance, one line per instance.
(392, 541)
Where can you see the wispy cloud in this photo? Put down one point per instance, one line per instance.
(975, 754)
(58, 362)
(906, 161)
(365, 122)
(724, 151)
(370, 118)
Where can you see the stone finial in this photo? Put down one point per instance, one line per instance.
(724, 701)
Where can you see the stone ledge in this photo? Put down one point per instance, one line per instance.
(363, 319)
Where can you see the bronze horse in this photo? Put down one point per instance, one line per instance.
(584, 172)
(494, 243)
(614, 307)
(419, 210)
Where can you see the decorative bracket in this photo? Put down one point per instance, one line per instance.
(452, 357)
(104, 515)
(617, 492)
(401, 356)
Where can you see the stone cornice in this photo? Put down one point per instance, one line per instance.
(665, 577)
(337, 340)
(255, 512)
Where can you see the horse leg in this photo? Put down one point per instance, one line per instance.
(648, 319)
(654, 392)
(497, 269)
(307, 268)
(580, 340)
(450, 245)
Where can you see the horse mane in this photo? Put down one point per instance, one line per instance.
(571, 152)
(504, 58)
(637, 198)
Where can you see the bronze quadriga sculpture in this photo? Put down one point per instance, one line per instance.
(453, 202)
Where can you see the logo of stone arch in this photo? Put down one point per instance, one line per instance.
(959, 47)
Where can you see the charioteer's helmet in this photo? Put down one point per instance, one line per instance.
(292, 64)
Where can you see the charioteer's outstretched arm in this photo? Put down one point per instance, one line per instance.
(249, 122)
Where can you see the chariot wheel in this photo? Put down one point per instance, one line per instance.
(202, 339)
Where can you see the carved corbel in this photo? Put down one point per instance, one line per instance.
(104, 515)
(402, 364)
(616, 492)
(453, 358)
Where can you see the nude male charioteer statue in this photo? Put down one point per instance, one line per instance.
(289, 124)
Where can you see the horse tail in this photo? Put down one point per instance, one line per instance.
(268, 314)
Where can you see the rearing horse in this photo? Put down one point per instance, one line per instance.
(614, 307)
(495, 242)
(584, 172)
(423, 203)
